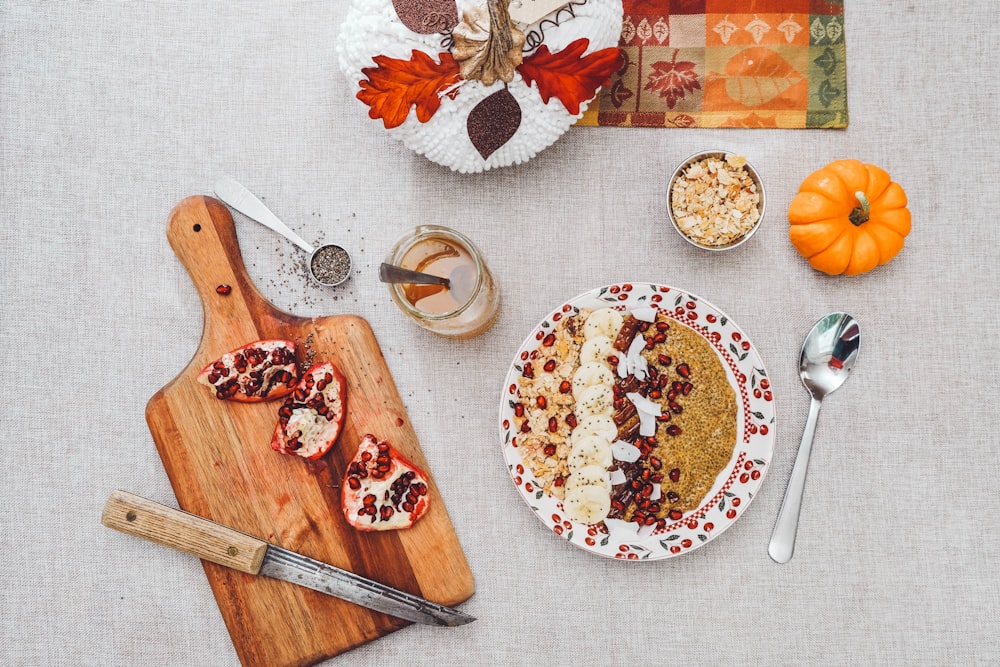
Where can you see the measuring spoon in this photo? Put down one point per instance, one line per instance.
(328, 265)
(827, 356)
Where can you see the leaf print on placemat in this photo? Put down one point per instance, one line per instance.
(754, 78)
(751, 121)
(673, 80)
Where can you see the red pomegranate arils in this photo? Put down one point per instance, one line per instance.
(259, 371)
(310, 420)
(383, 490)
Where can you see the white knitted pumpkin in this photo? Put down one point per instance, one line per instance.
(411, 81)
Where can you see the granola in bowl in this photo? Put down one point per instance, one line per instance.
(716, 200)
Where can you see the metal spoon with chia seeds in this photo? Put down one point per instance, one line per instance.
(329, 264)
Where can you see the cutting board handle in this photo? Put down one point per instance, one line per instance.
(203, 235)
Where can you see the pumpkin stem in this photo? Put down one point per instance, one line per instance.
(859, 215)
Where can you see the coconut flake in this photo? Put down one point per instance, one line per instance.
(657, 492)
(634, 361)
(618, 477)
(643, 404)
(619, 526)
(644, 313)
(645, 531)
(647, 424)
(625, 451)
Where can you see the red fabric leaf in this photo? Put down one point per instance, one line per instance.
(569, 75)
(395, 85)
(673, 80)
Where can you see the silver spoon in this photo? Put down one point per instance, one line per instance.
(827, 356)
(464, 277)
(390, 273)
(329, 264)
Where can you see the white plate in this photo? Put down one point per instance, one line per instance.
(734, 487)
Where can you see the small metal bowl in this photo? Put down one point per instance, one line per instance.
(754, 176)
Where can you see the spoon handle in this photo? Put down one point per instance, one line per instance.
(783, 538)
(390, 273)
(244, 201)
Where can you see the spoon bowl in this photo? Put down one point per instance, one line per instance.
(328, 265)
(825, 361)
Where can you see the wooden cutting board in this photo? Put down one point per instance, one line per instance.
(218, 457)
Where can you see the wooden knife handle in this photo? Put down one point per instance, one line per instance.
(185, 532)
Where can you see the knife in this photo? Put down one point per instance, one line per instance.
(226, 546)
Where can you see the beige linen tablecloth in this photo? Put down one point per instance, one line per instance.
(110, 113)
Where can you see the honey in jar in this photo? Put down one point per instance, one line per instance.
(468, 305)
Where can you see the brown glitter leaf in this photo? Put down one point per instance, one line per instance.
(493, 122)
(427, 17)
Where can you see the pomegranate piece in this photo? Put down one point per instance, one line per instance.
(259, 371)
(382, 489)
(309, 421)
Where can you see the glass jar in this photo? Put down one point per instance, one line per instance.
(468, 306)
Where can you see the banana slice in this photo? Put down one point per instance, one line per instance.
(598, 399)
(592, 475)
(589, 450)
(603, 322)
(590, 374)
(601, 425)
(588, 504)
(598, 349)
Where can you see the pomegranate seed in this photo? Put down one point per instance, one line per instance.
(550, 449)
(224, 290)
(528, 371)
(553, 424)
(673, 430)
(664, 359)
(549, 340)
(675, 474)
(550, 365)
(542, 402)
(518, 410)
(565, 387)
(571, 420)
(683, 370)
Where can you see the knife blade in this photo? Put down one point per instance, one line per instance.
(198, 536)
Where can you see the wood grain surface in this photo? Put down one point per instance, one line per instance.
(218, 457)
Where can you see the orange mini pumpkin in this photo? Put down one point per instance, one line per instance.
(848, 217)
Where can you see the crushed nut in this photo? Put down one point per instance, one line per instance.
(714, 201)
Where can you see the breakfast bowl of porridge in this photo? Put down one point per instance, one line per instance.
(637, 421)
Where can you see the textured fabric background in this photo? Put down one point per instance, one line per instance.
(110, 113)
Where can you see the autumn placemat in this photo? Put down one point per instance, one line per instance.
(728, 63)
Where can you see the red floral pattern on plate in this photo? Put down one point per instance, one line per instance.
(735, 486)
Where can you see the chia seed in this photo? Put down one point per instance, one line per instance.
(330, 264)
